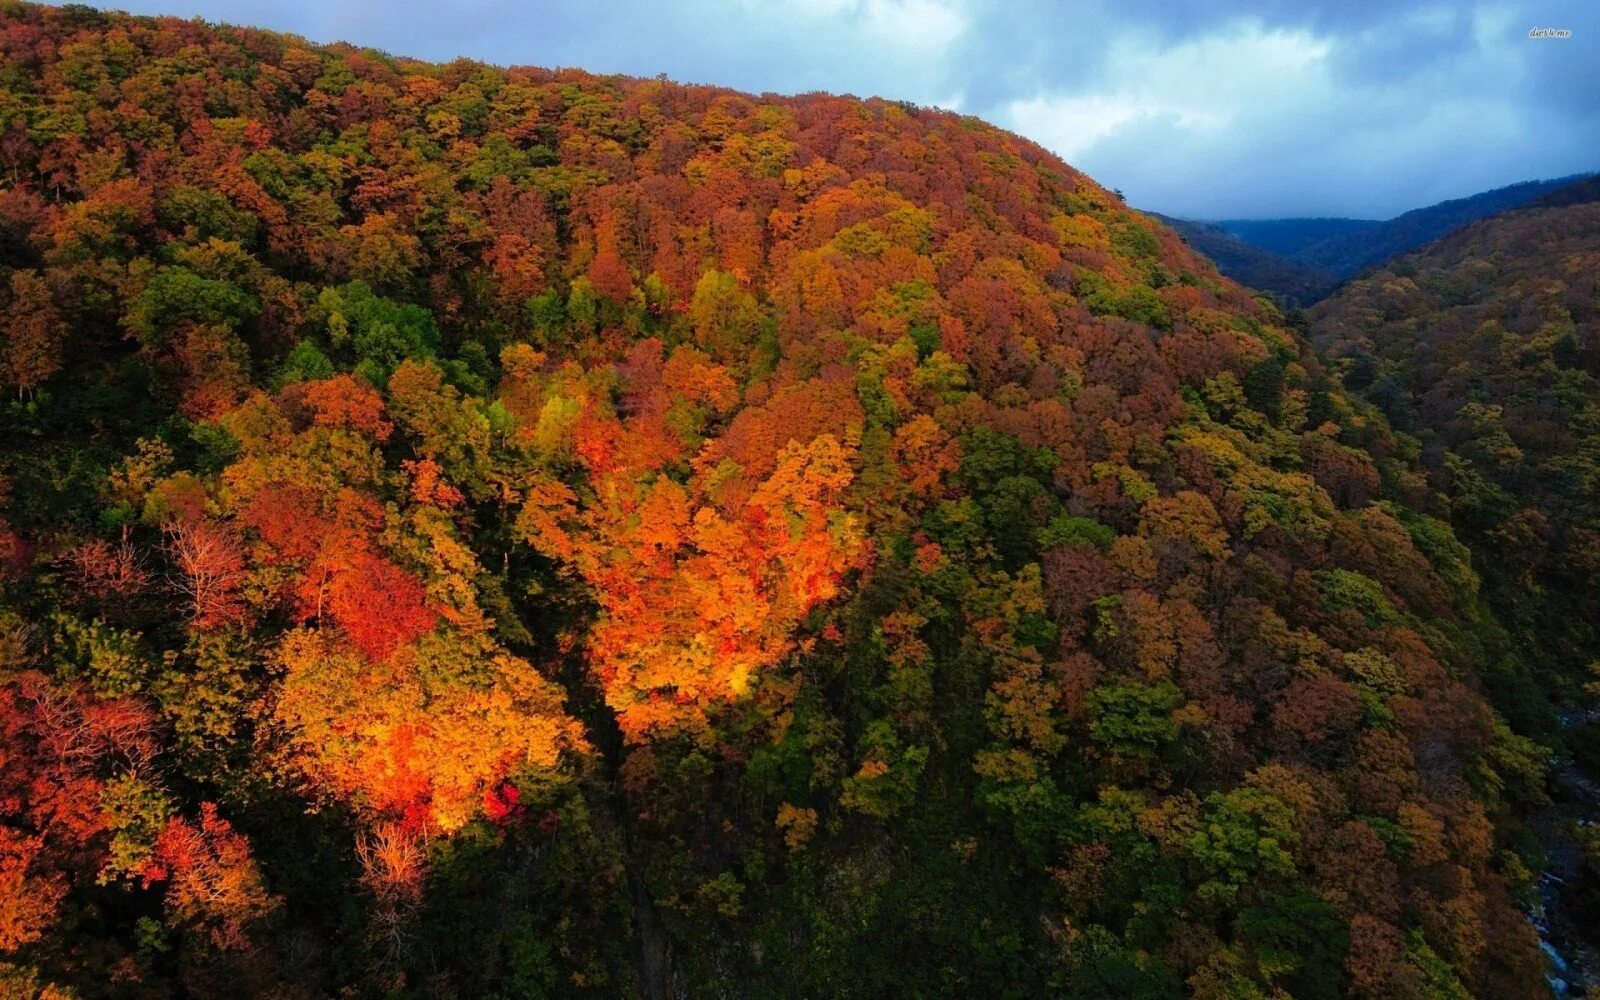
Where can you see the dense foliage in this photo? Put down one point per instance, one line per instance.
(481, 532)
(1486, 346)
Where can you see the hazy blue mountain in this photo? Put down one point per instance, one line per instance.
(1346, 253)
(1290, 236)
(1293, 285)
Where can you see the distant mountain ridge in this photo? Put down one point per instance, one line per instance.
(1299, 261)
(1346, 253)
(1287, 237)
(1291, 284)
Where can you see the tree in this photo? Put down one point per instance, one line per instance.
(210, 566)
(725, 316)
(34, 333)
(211, 879)
(699, 601)
(417, 740)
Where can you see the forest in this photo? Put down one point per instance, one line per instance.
(505, 532)
(1486, 347)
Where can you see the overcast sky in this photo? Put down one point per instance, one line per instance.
(1229, 108)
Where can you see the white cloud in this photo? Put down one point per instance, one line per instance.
(1071, 125)
(1250, 121)
(1197, 86)
(929, 26)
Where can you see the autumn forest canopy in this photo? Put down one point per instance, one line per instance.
(479, 532)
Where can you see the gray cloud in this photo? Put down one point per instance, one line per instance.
(1212, 108)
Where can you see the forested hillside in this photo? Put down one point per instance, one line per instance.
(501, 532)
(1486, 347)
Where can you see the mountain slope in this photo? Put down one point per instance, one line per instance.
(478, 531)
(1486, 345)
